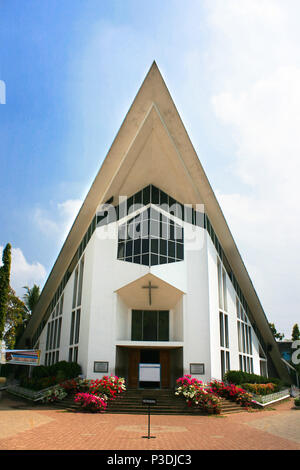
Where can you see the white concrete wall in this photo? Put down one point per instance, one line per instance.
(176, 321)
(196, 308)
(212, 257)
(123, 320)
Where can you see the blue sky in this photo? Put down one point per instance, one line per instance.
(72, 69)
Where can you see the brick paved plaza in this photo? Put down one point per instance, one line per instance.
(25, 427)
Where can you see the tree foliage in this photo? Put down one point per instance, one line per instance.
(276, 334)
(295, 332)
(4, 286)
(19, 313)
(17, 316)
(31, 297)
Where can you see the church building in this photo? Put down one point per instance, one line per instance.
(149, 284)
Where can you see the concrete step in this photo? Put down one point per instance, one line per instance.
(130, 402)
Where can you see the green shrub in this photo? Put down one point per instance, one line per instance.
(62, 369)
(46, 376)
(297, 401)
(37, 383)
(69, 369)
(60, 376)
(40, 371)
(239, 377)
(7, 370)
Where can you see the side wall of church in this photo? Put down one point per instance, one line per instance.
(231, 311)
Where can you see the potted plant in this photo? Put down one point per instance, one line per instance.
(297, 403)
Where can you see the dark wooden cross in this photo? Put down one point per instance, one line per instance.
(149, 286)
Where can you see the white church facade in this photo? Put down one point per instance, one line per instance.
(149, 284)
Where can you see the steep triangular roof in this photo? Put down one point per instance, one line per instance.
(152, 145)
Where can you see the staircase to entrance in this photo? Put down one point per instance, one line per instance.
(167, 403)
(130, 402)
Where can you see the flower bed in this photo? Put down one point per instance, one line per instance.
(93, 395)
(90, 402)
(272, 397)
(239, 378)
(110, 386)
(195, 394)
(261, 389)
(231, 392)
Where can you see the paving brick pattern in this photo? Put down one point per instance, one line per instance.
(43, 428)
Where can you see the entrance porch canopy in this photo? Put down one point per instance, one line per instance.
(150, 292)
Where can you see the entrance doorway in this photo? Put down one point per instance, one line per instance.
(150, 358)
(146, 356)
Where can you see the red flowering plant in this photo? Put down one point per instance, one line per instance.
(231, 392)
(196, 394)
(208, 401)
(108, 387)
(90, 402)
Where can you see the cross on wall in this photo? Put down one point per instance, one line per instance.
(150, 287)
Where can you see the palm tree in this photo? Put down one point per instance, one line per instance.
(31, 297)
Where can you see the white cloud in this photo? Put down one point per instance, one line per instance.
(255, 63)
(24, 273)
(265, 120)
(56, 221)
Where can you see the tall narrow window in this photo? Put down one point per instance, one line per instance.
(76, 312)
(80, 283)
(54, 333)
(226, 332)
(223, 369)
(221, 320)
(72, 327)
(224, 290)
(224, 343)
(220, 288)
(75, 288)
(77, 326)
(244, 339)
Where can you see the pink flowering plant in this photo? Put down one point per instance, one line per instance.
(96, 393)
(196, 394)
(90, 402)
(108, 386)
(231, 392)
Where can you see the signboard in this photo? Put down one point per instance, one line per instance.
(149, 372)
(149, 401)
(21, 357)
(100, 366)
(197, 369)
